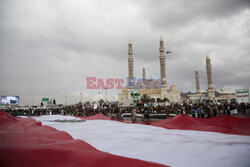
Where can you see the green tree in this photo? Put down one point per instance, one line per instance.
(87, 103)
(101, 101)
(158, 100)
(165, 99)
(145, 98)
(152, 100)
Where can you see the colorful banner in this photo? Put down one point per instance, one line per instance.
(242, 96)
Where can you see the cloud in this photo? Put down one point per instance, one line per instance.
(176, 14)
(48, 48)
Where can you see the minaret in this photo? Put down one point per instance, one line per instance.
(143, 74)
(162, 65)
(210, 90)
(130, 65)
(197, 77)
(209, 73)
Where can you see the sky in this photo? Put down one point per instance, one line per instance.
(49, 47)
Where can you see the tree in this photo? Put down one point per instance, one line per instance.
(152, 100)
(101, 101)
(145, 98)
(87, 103)
(165, 99)
(158, 100)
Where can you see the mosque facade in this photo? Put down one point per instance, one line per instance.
(155, 89)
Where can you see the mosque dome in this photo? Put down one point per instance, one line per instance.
(173, 88)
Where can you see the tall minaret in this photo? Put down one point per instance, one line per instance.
(210, 90)
(162, 64)
(143, 74)
(197, 77)
(130, 65)
(209, 73)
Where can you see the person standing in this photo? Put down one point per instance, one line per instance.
(134, 114)
(199, 112)
(193, 111)
(167, 112)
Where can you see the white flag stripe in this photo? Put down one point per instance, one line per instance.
(170, 147)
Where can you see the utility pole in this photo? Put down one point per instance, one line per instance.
(81, 97)
(106, 93)
(65, 99)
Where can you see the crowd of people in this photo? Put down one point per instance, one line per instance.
(200, 110)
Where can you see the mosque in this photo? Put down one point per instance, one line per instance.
(210, 94)
(155, 89)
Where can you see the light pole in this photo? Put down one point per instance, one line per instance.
(65, 99)
(81, 97)
(99, 96)
(106, 93)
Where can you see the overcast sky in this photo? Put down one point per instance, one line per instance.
(49, 47)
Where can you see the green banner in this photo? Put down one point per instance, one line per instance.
(45, 99)
(242, 91)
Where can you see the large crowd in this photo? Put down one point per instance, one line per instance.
(195, 110)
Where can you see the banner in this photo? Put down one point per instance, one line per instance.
(45, 99)
(242, 96)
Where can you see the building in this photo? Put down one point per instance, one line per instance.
(223, 96)
(155, 89)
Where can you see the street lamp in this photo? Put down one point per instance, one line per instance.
(65, 99)
(81, 97)
(106, 93)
